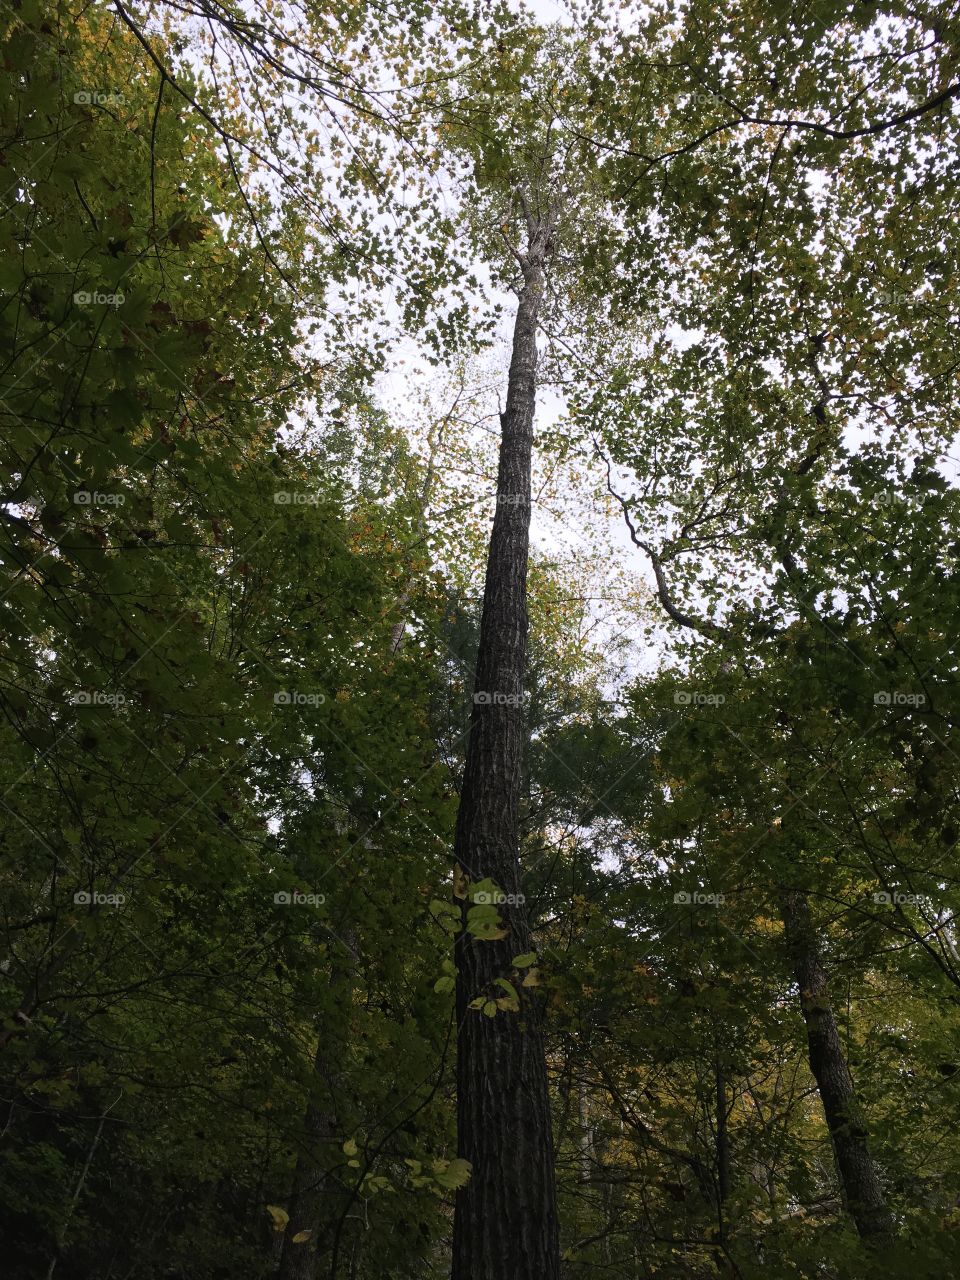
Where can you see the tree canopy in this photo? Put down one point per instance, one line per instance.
(480, 551)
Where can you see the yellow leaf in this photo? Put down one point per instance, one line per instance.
(461, 883)
(302, 1236)
(279, 1216)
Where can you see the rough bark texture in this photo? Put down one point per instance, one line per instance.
(505, 1221)
(862, 1192)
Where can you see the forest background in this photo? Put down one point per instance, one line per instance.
(664, 979)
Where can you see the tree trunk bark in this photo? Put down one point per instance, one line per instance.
(863, 1195)
(312, 1207)
(505, 1219)
(585, 1135)
(300, 1261)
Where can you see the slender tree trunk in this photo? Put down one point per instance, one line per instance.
(436, 437)
(862, 1192)
(585, 1133)
(71, 1207)
(300, 1261)
(310, 1210)
(505, 1220)
(311, 1206)
(723, 1140)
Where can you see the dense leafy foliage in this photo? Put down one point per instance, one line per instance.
(242, 553)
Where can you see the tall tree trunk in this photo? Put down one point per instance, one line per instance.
(862, 1192)
(312, 1207)
(505, 1220)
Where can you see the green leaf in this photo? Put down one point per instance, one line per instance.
(452, 1174)
(509, 988)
